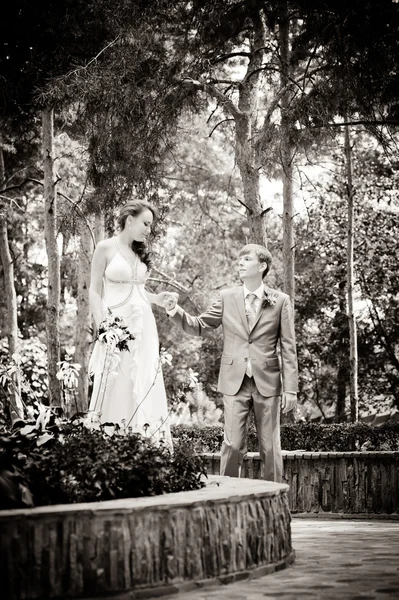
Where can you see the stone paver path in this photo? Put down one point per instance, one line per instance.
(349, 560)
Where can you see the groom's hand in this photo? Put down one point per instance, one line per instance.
(288, 402)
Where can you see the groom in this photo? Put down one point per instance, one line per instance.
(254, 319)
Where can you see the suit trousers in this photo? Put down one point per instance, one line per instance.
(267, 422)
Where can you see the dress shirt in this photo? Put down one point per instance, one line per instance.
(259, 293)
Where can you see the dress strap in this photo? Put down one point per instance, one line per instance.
(133, 266)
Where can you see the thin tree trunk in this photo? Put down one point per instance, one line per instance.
(83, 337)
(64, 266)
(342, 372)
(287, 160)
(15, 402)
(353, 358)
(50, 233)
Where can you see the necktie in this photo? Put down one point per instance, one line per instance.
(251, 309)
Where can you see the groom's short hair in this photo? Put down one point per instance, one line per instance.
(262, 254)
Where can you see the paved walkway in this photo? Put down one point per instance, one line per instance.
(349, 560)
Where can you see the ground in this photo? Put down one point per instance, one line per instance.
(349, 560)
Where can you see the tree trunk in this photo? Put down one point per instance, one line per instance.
(83, 336)
(109, 222)
(286, 160)
(15, 403)
(353, 359)
(250, 182)
(64, 267)
(50, 233)
(99, 227)
(342, 372)
(246, 140)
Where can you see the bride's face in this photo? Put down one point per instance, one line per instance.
(139, 226)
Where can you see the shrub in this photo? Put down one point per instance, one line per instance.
(312, 437)
(68, 462)
(339, 437)
(32, 364)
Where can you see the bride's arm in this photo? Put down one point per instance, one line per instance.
(152, 298)
(98, 266)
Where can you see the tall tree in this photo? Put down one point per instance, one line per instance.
(287, 152)
(323, 342)
(83, 335)
(15, 404)
(54, 283)
(353, 356)
(41, 41)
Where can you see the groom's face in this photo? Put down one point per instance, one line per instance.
(249, 266)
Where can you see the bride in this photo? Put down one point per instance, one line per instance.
(128, 386)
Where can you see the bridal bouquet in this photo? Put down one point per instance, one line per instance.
(114, 333)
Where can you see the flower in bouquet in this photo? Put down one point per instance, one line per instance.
(114, 333)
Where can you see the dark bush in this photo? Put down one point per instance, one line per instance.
(75, 464)
(312, 437)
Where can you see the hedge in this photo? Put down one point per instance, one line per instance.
(66, 462)
(312, 437)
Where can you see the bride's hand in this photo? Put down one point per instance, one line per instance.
(168, 300)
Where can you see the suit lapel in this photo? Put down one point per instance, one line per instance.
(239, 298)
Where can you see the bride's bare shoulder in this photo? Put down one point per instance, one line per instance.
(104, 246)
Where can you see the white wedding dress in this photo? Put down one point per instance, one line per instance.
(128, 387)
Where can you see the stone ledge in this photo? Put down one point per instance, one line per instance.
(219, 489)
(222, 581)
(351, 483)
(348, 517)
(304, 455)
(233, 528)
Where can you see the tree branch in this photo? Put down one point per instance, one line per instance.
(171, 281)
(265, 211)
(209, 89)
(360, 122)
(245, 206)
(224, 81)
(74, 204)
(83, 67)
(220, 123)
(231, 55)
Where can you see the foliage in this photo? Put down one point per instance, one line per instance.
(196, 409)
(56, 461)
(358, 48)
(209, 438)
(312, 437)
(31, 362)
(321, 300)
(340, 437)
(126, 121)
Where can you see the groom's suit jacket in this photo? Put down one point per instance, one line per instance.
(273, 324)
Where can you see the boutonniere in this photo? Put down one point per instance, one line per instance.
(270, 298)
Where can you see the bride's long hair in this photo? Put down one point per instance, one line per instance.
(134, 208)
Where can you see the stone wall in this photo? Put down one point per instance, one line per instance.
(228, 530)
(321, 483)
